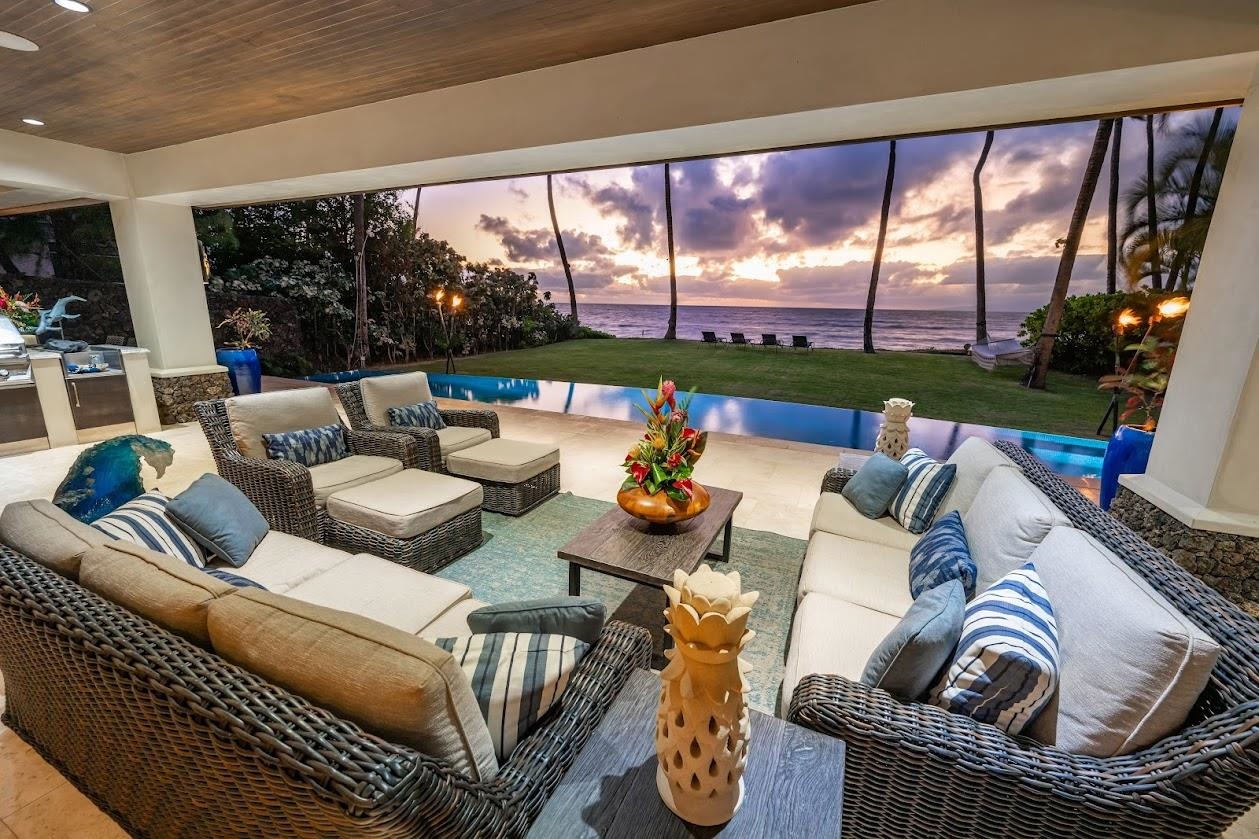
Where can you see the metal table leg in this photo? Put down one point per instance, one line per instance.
(574, 579)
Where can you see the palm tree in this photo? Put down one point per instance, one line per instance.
(672, 332)
(981, 295)
(1151, 202)
(559, 240)
(867, 335)
(1070, 246)
(1175, 279)
(415, 213)
(1112, 210)
(359, 348)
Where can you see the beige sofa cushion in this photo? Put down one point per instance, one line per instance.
(167, 591)
(1006, 522)
(405, 504)
(455, 438)
(382, 590)
(49, 535)
(452, 623)
(865, 573)
(392, 683)
(352, 471)
(974, 459)
(831, 636)
(270, 413)
(834, 514)
(282, 561)
(380, 393)
(503, 461)
(1132, 664)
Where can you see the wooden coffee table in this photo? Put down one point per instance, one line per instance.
(620, 545)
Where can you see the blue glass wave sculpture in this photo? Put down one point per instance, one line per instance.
(107, 475)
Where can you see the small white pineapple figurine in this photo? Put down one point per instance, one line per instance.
(893, 439)
(702, 723)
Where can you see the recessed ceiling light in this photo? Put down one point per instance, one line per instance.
(16, 42)
(32, 121)
(73, 5)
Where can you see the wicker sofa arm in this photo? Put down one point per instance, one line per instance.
(393, 444)
(281, 490)
(834, 479)
(467, 418)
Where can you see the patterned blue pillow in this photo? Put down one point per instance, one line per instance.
(143, 520)
(309, 447)
(925, 487)
(1006, 666)
(235, 579)
(942, 554)
(419, 415)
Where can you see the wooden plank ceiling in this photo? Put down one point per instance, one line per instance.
(139, 74)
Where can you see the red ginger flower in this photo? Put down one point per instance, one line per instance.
(639, 472)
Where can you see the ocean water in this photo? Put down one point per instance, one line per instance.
(894, 329)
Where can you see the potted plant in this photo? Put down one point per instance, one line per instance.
(659, 488)
(1145, 381)
(240, 356)
(22, 310)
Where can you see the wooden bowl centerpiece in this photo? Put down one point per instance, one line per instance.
(659, 488)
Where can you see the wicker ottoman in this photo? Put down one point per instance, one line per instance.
(423, 520)
(517, 476)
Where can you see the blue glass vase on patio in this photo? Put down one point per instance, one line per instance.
(1127, 453)
(243, 368)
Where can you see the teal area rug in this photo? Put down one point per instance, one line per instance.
(518, 562)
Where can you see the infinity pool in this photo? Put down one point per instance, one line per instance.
(854, 429)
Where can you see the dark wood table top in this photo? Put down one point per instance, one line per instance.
(793, 785)
(616, 543)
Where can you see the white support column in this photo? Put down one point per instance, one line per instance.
(161, 265)
(1204, 469)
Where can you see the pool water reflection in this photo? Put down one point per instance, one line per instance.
(855, 429)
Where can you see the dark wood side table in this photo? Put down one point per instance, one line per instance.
(793, 785)
(618, 544)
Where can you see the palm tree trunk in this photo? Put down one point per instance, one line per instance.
(359, 349)
(1070, 246)
(415, 214)
(672, 332)
(981, 294)
(1112, 210)
(559, 240)
(1151, 207)
(1175, 277)
(867, 335)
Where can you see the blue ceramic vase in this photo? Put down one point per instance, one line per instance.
(1127, 453)
(243, 368)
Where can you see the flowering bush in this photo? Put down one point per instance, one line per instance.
(23, 310)
(665, 458)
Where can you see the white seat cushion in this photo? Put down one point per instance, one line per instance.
(380, 393)
(832, 636)
(271, 413)
(833, 513)
(452, 623)
(352, 471)
(503, 461)
(405, 504)
(863, 573)
(1006, 522)
(455, 438)
(282, 561)
(383, 591)
(974, 459)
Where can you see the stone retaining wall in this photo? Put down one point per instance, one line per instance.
(175, 396)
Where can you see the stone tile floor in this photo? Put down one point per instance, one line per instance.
(779, 479)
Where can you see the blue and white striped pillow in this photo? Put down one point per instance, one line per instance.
(143, 520)
(516, 676)
(309, 446)
(419, 415)
(925, 487)
(942, 554)
(1006, 666)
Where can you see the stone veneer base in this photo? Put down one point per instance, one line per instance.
(176, 396)
(1227, 563)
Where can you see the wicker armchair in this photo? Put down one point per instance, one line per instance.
(282, 490)
(917, 770)
(428, 445)
(171, 740)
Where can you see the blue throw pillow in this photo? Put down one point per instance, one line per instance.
(143, 520)
(419, 415)
(924, 488)
(309, 447)
(234, 579)
(908, 660)
(942, 554)
(874, 486)
(220, 518)
(1005, 670)
(580, 617)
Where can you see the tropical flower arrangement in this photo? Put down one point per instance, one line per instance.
(1146, 376)
(664, 460)
(23, 310)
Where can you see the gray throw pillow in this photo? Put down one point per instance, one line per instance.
(220, 518)
(907, 661)
(577, 617)
(874, 486)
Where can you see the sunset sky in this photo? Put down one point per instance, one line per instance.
(798, 228)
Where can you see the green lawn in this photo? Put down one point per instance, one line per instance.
(943, 386)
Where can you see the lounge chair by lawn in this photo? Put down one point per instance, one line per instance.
(769, 339)
(738, 340)
(993, 354)
(711, 338)
(801, 342)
